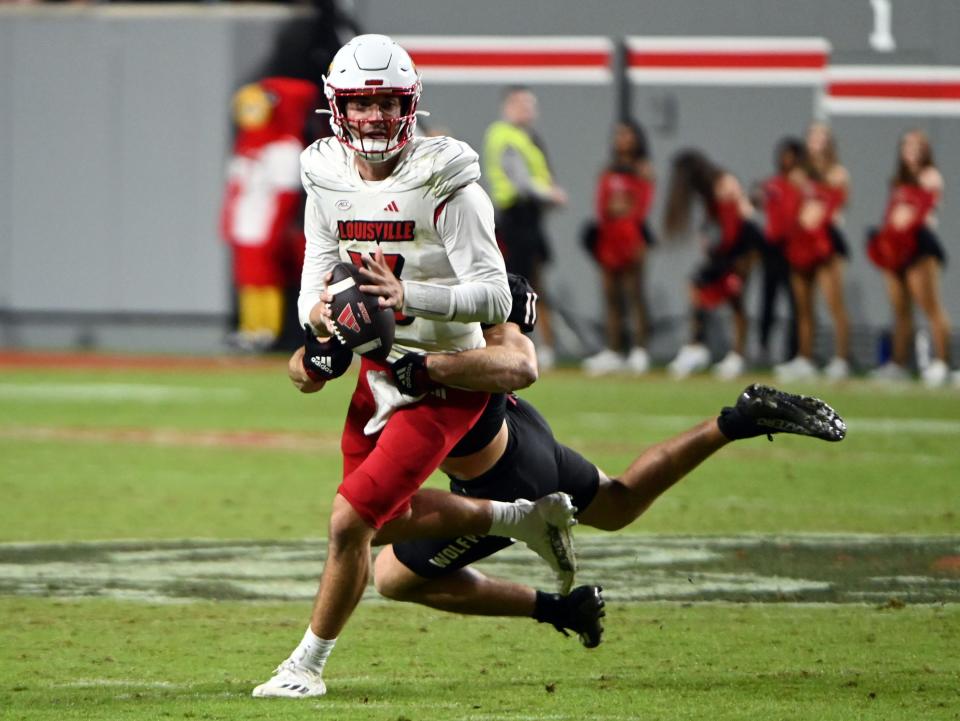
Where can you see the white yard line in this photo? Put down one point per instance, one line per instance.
(116, 392)
(260, 440)
(120, 682)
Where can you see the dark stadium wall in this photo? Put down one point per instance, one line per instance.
(116, 132)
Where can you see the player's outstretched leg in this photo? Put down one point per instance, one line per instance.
(762, 410)
(546, 527)
(581, 611)
(759, 410)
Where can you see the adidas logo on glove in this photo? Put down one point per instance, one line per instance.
(405, 376)
(323, 362)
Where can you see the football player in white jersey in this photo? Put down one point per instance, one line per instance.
(410, 213)
(511, 452)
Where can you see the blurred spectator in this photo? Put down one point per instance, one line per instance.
(521, 186)
(730, 238)
(908, 251)
(815, 250)
(824, 165)
(780, 198)
(261, 217)
(624, 194)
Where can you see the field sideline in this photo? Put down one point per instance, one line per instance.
(163, 523)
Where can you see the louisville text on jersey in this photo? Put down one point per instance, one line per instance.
(378, 230)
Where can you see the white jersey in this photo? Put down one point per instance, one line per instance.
(435, 226)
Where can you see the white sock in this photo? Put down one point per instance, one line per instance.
(313, 651)
(506, 517)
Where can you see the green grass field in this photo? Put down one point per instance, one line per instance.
(161, 533)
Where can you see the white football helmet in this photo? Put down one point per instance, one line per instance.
(371, 65)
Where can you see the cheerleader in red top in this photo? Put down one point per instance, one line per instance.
(624, 194)
(823, 161)
(780, 198)
(730, 241)
(262, 212)
(909, 253)
(815, 249)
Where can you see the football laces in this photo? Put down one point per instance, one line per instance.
(336, 329)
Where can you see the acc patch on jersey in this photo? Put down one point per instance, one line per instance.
(363, 325)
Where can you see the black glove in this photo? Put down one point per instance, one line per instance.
(410, 374)
(324, 360)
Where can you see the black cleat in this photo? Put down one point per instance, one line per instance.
(582, 614)
(764, 410)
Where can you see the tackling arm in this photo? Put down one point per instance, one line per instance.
(508, 363)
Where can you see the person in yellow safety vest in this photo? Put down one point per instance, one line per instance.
(521, 186)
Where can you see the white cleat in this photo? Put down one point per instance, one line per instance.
(732, 366)
(890, 372)
(936, 374)
(692, 358)
(546, 529)
(798, 369)
(838, 369)
(291, 681)
(602, 363)
(638, 361)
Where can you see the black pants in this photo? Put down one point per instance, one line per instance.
(534, 465)
(776, 275)
(520, 230)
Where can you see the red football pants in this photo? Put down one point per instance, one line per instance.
(382, 472)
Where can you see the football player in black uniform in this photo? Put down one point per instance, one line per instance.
(511, 453)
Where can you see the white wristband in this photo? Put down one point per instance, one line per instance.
(427, 300)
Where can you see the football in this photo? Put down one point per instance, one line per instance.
(362, 324)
